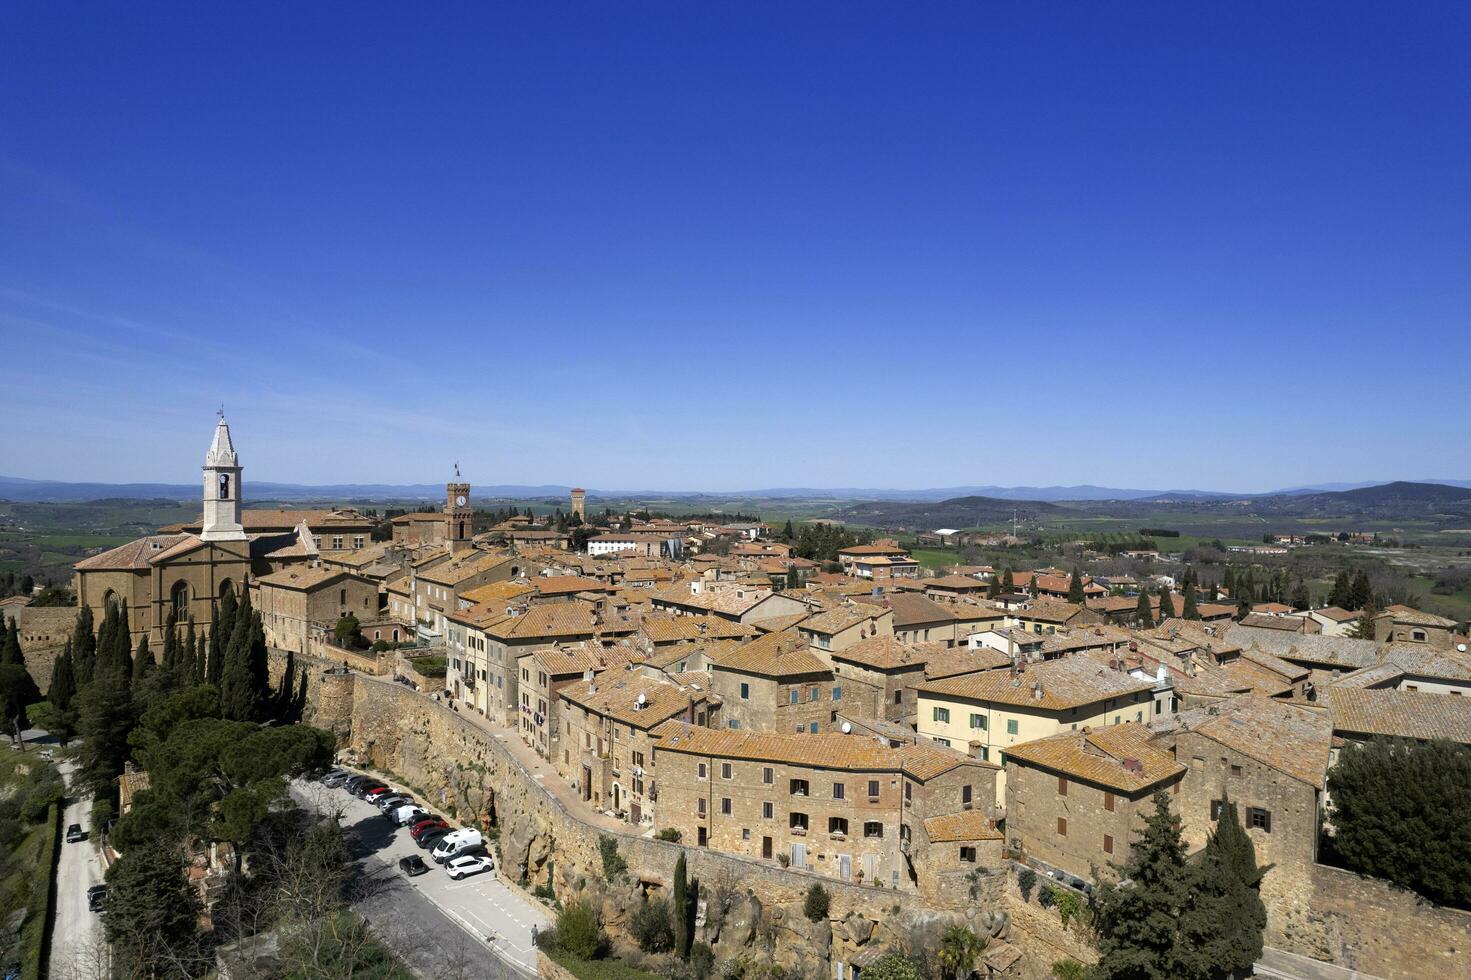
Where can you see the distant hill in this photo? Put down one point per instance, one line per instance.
(960, 512)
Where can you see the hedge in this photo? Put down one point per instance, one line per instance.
(35, 933)
(604, 969)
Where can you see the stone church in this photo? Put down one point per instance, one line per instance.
(190, 571)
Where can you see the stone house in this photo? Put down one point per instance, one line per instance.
(1074, 800)
(776, 683)
(848, 806)
(435, 589)
(846, 624)
(485, 643)
(987, 713)
(292, 600)
(541, 675)
(607, 753)
(889, 669)
(1401, 624)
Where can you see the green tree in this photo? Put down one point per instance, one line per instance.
(1075, 587)
(220, 635)
(1190, 612)
(1360, 594)
(348, 632)
(1226, 919)
(1398, 812)
(651, 926)
(1144, 612)
(682, 921)
(1008, 583)
(84, 646)
(1166, 604)
(241, 684)
(1363, 627)
(1139, 924)
(579, 932)
(17, 690)
(194, 655)
(152, 916)
(10, 651)
(1339, 595)
(959, 950)
(143, 662)
(1302, 599)
(815, 906)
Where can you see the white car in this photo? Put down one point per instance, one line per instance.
(464, 866)
(456, 844)
(408, 813)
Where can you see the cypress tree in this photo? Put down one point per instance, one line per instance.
(1166, 604)
(171, 643)
(681, 901)
(63, 680)
(238, 692)
(143, 663)
(1214, 593)
(993, 587)
(1008, 584)
(1360, 593)
(193, 656)
(1339, 594)
(84, 645)
(121, 657)
(1075, 587)
(1139, 926)
(10, 651)
(220, 634)
(1190, 611)
(1224, 925)
(1143, 612)
(105, 633)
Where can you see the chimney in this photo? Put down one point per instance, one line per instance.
(1037, 691)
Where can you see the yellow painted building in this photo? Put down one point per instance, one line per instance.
(985, 713)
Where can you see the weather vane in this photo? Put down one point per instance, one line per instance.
(221, 412)
(457, 471)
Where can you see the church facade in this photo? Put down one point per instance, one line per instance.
(185, 571)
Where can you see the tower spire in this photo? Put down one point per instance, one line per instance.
(222, 487)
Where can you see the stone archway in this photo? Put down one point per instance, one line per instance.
(179, 599)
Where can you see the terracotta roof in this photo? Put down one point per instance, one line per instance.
(963, 660)
(823, 751)
(463, 567)
(301, 578)
(731, 601)
(673, 629)
(1336, 614)
(1067, 683)
(844, 617)
(873, 549)
(135, 554)
(1400, 714)
(1417, 617)
(1121, 757)
(616, 695)
(888, 653)
(1052, 610)
(963, 825)
(1290, 739)
(913, 609)
(576, 658)
(545, 621)
(1337, 651)
(567, 584)
(956, 583)
(772, 655)
(501, 592)
(1416, 660)
(278, 519)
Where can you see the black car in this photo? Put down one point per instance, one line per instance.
(75, 833)
(429, 840)
(96, 897)
(413, 865)
(363, 789)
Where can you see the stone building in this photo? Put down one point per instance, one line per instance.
(187, 572)
(294, 600)
(434, 584)
(1073, 801)
(849, 806)
(541, 675)
(776, 683)
(607, 753)
(1401, 624)
(888, 669)
(846, 624)
(578, 503)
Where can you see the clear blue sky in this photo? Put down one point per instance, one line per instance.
(719, 246)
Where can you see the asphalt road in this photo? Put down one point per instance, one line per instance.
(77, 935)
(472, 928)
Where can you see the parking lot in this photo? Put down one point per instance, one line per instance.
(489, 916)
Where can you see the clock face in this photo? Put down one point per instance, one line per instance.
(460, 500)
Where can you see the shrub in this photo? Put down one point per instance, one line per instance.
(669, 834)
(702, 960)
(429, 666)
(1026, 880)
(1069, 969)
(578, 931)
(816, 905)
(1067, 902)
(614, 867)
(891, 966)
(651, 927)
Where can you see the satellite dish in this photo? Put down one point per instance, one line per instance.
(847, 727)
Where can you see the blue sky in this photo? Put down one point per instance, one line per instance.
(696, 246)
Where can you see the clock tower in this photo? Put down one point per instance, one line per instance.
(460, 516)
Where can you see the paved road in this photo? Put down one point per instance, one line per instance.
(475, 927)
(77, 934)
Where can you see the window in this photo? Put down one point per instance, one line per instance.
(978, 721)
(815, 694)
(1258, 819)
(1061, 825)
(965, 796)
(837, 825)
(968, 855)
(1107, 844)
(812, 728)
(767, 775)
(745, 692)
(873, 828)
(1216, 810)
(797, 821)
(1236, 770)
(837, 694)
(942, 715)
(943, 741)
(1011, 726)
(725, 770)
(1062, 786)
(1418, 636)
(898, 697)
(725, 806)
(795, 695)
(1108, 802)
(701, 771)
(734, 723)
(839, 791)
(745, 833)
(873, 789)
(766, 810)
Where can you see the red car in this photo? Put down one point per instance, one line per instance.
(427, 827)
(373, 794)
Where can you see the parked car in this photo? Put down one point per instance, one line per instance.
(464, 866)
(407, 814)
(360, 786)
(351, 783)
(413, 866)
(377, 792)
(392, 801)
(433, 838)
(335, 777)
(424, 826)
(97, 897)
(75, 833)
(456, 844)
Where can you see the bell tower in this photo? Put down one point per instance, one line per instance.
(222, 489)
(460, 516)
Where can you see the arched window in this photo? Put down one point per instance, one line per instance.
(224, 486)
(226, 587)
(108, 598)
(1419, 636)
(180, 597)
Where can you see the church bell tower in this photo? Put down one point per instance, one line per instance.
(222, 489)
(459, 515)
